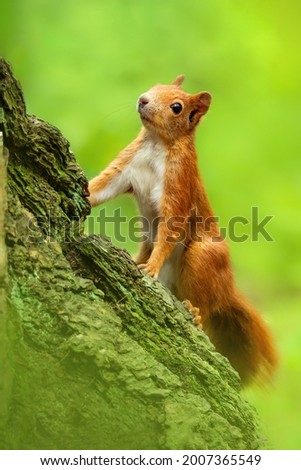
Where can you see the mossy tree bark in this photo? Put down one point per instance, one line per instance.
(96, 355)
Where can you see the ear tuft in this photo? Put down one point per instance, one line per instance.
(179, 80)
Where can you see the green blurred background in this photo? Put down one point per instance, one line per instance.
(82, 65)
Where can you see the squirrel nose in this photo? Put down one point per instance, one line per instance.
(143, 101)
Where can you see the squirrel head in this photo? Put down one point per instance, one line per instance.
(170, 112)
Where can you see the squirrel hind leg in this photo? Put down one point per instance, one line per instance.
(195, 311)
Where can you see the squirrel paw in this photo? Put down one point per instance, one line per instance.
(150, 269)
(197, 317)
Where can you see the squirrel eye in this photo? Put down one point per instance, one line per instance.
(176, 107)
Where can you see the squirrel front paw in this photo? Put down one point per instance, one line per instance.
(150, 268)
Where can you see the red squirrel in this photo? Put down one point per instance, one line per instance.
(160, 168)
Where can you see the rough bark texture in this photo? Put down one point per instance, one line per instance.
(100, 356)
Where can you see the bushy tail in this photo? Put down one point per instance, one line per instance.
(240, 334)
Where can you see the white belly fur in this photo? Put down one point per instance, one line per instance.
(146, 174)
(169, 273)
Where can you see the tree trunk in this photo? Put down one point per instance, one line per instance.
(94, 354)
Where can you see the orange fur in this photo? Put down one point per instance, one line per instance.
(189, 256)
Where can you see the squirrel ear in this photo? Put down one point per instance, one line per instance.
(200, 107)
(204, 101)
(179, 80)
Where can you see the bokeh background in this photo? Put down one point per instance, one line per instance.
(82, 65)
